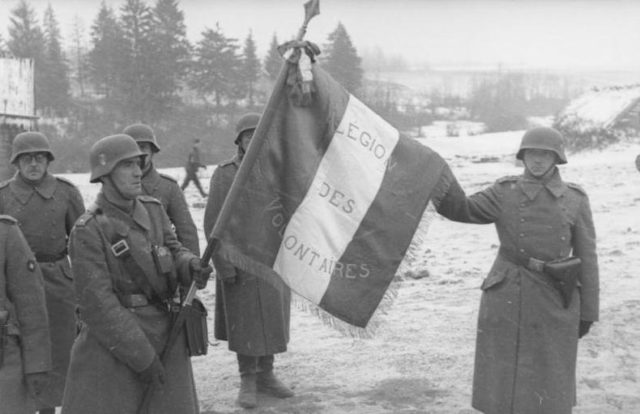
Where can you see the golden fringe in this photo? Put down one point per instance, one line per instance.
(414, 252)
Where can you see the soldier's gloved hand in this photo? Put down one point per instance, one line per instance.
(638, 162)
(154, 373)
(199, 274)
(36, 382)
(584, 327)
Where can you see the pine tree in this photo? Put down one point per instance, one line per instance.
(216, 66)
(250, 67)
(342, 61)
(55, 87)
(137, 82)
(27, 41)
(171, 51)
(79, 56)
(273, 60)
(107, 57)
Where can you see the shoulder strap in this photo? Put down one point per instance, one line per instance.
(121, 250)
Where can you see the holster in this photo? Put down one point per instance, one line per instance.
(195, 323)
(4, 320)
(564, 274)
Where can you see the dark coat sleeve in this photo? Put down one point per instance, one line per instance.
(584, 247)
(76, 208)
(178, 212)
(218, 188)
(482, 207)
(25, 287)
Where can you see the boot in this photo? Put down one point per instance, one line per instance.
(268, 383)
(247, 396)
(247, 365)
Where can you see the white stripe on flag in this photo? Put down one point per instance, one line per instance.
(346, 183)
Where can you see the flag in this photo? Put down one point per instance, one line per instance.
(330, 201)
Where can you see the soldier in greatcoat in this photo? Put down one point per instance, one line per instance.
(127, 264)
(25, 345)
(164, 188)
(251, 314)
(46, 207)
(527, 335)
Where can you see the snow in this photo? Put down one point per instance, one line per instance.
(421, 358)
(598, 109)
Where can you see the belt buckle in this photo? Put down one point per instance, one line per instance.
(535, 264)
(119, 248)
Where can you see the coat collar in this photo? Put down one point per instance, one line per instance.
(554, 184)
(139, 214)
(151, 180)
(23, 189)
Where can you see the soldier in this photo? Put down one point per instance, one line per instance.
(127, 264)
(46, 208)
(250, 313)
(164, 188)
(194, 163)
(529, 323)
(25, 345)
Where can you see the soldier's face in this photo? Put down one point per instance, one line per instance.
(538, 161)
(147, 149)
(33, 166)
(126, 177)
(245, 139)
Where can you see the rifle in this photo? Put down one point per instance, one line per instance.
(564, 274)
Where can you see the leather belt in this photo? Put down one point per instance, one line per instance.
(530, 263)
(50, 258)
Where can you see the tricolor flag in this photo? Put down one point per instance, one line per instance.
(330, 201)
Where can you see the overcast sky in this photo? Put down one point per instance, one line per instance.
(554, 34)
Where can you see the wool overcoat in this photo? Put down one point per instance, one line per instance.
(119, 340)
(46, 213)
(251, 313)
(167, 190)
(27, 346)
(526, 340)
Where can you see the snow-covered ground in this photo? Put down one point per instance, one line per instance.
(421, 358)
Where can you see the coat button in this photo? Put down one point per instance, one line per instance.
(522, 220)
(521, 234)
(521, 250)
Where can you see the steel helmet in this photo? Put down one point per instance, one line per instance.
(142, 133)
(544, 138)
(107, 152)
(247, 121)
(28, 142)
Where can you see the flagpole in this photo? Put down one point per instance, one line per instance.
(311, 10)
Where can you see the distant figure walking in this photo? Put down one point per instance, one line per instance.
(192, 167)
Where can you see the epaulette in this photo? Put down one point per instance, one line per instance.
(85, 217)
(4, 184)
(66, 181)
(508, 178)
(149, 199)
(576, 187)
(8, 219)
(168, 177)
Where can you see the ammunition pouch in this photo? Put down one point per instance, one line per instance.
(195, 322)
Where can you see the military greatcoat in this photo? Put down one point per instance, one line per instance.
(27, 347)
(121, 330)
(167, 190)
(46, 213)
(251, 314)
(527, 341)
